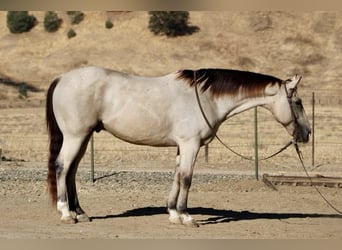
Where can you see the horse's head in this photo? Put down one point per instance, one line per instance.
(289, 111)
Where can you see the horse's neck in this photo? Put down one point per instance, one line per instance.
(229, 106)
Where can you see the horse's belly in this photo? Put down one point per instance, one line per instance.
(141, 128)
(144, 138)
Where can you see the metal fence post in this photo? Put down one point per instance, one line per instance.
(92, 158)
(313, 131)
(256, 153)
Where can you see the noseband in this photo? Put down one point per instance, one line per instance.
(293, 107)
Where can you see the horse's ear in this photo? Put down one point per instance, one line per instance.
(292, 83)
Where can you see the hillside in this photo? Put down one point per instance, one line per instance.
(276, 43)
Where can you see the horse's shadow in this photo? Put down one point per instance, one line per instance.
(217, 215)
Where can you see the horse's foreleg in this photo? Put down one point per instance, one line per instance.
(188, 154)
(173, 196)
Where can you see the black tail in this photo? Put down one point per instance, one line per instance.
(56, 141)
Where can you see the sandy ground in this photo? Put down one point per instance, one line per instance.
(131, 204)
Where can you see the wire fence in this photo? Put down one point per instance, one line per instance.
(238, 133)
(23, 138)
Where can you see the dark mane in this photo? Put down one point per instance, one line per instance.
(226, 81)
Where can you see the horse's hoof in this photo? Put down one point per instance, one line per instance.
(188, 221)
(175, 220)
(68, 220)
(82, 218)
(174, 217)
(191, 223)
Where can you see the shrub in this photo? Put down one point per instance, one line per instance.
(76, 16)
(170, 23)
(20, 21)
(22, 89)
(71, 33)
(51, 21)
(109, 24)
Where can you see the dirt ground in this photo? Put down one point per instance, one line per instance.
(131, 204)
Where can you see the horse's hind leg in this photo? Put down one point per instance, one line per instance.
(68, 156)
(74, 205)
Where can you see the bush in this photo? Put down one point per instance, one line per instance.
(51, 21)
(109, 24)
(20, 21)
(76, 16)
(71, 33)
(22, 89)
(170, 23)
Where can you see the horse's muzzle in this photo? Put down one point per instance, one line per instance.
(302, 135)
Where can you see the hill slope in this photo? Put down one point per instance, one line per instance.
(276, 43)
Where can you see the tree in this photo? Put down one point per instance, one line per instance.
(71, 33)
(170, 23)
(76, 16)
(51, 21)
(109, 24)
(20, 21)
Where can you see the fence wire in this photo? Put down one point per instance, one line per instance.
(23, 137)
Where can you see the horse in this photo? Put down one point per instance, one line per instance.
(155, 111)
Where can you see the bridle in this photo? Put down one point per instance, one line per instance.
(292, 105)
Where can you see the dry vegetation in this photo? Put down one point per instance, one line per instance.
(275, 43)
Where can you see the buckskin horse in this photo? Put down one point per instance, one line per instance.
(183, 109)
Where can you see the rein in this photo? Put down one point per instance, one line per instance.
(300, 156)
(219, 139)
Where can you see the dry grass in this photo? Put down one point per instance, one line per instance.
(276, 43)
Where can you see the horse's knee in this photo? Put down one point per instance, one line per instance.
(185, 181)
(59, 169)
